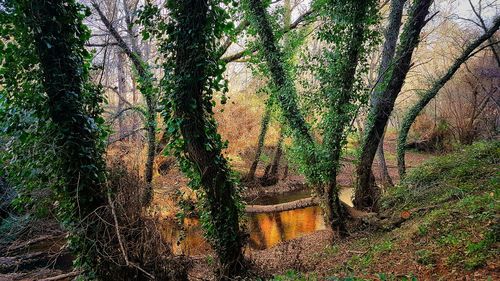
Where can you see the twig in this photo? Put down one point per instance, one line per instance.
(117, 229)
(357, 252)
(120, 242)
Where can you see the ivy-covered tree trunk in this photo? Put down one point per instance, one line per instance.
(193, 40)
(286, 95)
(367, 193)
(427, 96)
(270, 176)
(338, 83)
(59, 37)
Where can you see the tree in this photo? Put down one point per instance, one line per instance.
(59, 37)
(146, 87)
(193, 71)
(264, 125)
(367, 193)
(350, 34)
(428, 95)
(391, 35)
(348, 38)
(286, 95)
(290, 46)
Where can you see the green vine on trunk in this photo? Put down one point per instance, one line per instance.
(193, 74)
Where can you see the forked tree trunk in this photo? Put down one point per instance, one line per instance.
(427, 96)
(393, 76)
(338, 103)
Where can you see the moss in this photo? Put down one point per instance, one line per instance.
(471, 169)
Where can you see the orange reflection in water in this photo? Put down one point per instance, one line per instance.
(268, 229)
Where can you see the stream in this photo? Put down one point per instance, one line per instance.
(265, 229)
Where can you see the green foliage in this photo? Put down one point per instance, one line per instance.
(26, 140)
(291, 275)
(50, 114)
(348, 37)
(478, 253)
(12, 226)
(464, 186)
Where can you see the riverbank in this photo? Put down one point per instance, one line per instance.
(450, 232)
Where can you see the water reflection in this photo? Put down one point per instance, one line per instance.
(266, 229)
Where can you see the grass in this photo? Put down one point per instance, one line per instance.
(453, 229)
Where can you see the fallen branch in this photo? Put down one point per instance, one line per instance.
(297, 204)
(62, 276)
(304, 203)
(27, 244)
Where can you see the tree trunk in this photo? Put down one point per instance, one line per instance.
(271, 175)
(264, 125)
(412, 114)
(384, 171)
(122, 91)
(57, 30)
(198, 129)
(392, 77)
(146, 88)
(339, 98)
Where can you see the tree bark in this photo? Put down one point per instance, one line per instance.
(338, 104)
(271, 175)
(264, 125)
(384, 171)
(203, 150)
(393, 76)
(122, 90)
(427, 96)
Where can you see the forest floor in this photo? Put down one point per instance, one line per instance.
(451, 234)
